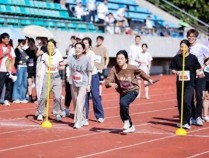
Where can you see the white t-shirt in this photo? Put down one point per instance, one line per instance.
(200, 51)
(91, 5)
(102, 11)
(119, 14)
(93, 58)
(149, 24)
(144, 59)
(134, 51)
(79, 11)
(56, 58)
(3, 66)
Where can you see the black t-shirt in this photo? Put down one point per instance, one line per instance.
(32, 60)
(191, 65)
(21, 57)
(44, 49)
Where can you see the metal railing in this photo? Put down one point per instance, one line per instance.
(16, 21)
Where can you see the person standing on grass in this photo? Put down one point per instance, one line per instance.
(144, 60)
(123, 77)
(201, 52)
(56, 83)
(97, 105)
(80, 77)
(192, 69)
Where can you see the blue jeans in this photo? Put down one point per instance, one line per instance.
(125, 101)
(97, 105)
(20, 85)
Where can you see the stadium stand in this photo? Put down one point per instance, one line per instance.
(25, 12)
(21, 13)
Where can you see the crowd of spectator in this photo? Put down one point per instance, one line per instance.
(116, 22)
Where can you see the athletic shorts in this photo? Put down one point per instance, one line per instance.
(205, 85)
(31, 75)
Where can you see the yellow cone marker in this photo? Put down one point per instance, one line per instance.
(180, 131)
(47, 123)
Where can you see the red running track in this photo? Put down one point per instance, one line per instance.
(155, 122)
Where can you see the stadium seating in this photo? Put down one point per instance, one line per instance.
(19, 13)
(25, 12)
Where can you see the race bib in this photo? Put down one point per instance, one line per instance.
(53, 68)
(77, 77)
(98, 59)
(126, 84)
(186, 76)
(31, 63)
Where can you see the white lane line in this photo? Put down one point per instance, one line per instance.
(7, 123)
(137, 144)
(107, 100)
(199, 154)
(61, 139)
(127, 146)
(112, 107)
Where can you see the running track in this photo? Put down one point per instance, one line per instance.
(155, 122)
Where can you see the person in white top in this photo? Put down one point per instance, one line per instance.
(91, 7)
(56, 83)
(144, 60)
(97, 105)
(133, 52)
(81, 13)
(110, 23)
(6, 53)
(201, 52)
(102, 11)
(149, 25)
(120, 13)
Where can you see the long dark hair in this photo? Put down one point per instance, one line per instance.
(123, 52)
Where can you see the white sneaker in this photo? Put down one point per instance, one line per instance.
(100, 120)
(40, 118)
(206, 118)
(6, 103)
(129, 130)
(199, 121)
(77, 125)
(16, 101)
(185, 126)
(126, 124)
(24, 101)
(58, 118)
(85, 122)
